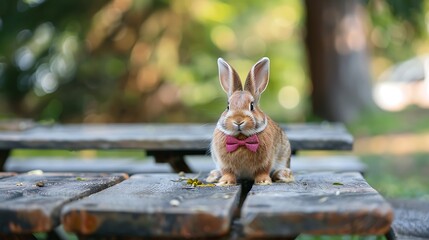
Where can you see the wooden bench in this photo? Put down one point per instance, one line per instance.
(165, 206)
(411, 219)
(203, 164)
(166, 142)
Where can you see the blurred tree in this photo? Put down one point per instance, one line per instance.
(337, 49)
(338, 58)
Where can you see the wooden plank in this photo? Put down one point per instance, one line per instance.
(316, 203)
(198, 164)
(325, 136)
(411, 219)
(80, 165)
(189, 137)
(154, 205)
(32, 203)
(335, 163)
(6, 174)
(394, 235)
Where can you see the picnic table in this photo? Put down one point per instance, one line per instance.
(166, 142)
(163, 205)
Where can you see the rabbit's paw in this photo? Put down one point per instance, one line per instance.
(283, 175)
(263, 179)
(227, 180)
(214, 176)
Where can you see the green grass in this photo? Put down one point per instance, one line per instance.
(399, 176)
(411, 120)
(403, 176)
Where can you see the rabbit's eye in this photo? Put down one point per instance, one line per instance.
(227, 107)
(251, 106)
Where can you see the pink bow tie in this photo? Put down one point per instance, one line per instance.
(251, 143)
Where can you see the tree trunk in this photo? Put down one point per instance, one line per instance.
(338, 58)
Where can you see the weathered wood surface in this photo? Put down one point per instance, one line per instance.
(32, 203)
(6, 174)
(315, 204)
(154, 205)
(184, 137)
(411, 219)
(80, 165)
(198, 164)
(337, 163)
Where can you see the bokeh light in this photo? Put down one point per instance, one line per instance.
(289, 97)
(223, 37)
(390, 97)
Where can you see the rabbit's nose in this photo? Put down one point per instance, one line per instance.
(238, 124)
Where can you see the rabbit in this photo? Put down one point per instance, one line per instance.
(246, 142)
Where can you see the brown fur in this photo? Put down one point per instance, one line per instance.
(273, 154)
(273, 147)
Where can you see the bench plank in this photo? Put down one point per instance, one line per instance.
(6, 174)
(32, 203)
(154, 205)
(182, 137)
(197, 164)
(411, 219)
(316, 203)
(60, 164)
(337, 163)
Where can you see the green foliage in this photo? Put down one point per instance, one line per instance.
(144, 60)
(399, 176)
(411, 120)
(398, 31)
(409, 11)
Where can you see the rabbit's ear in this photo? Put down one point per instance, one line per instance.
(258, 77)
(229, 79)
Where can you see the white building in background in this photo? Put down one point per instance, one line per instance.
(404, 84)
